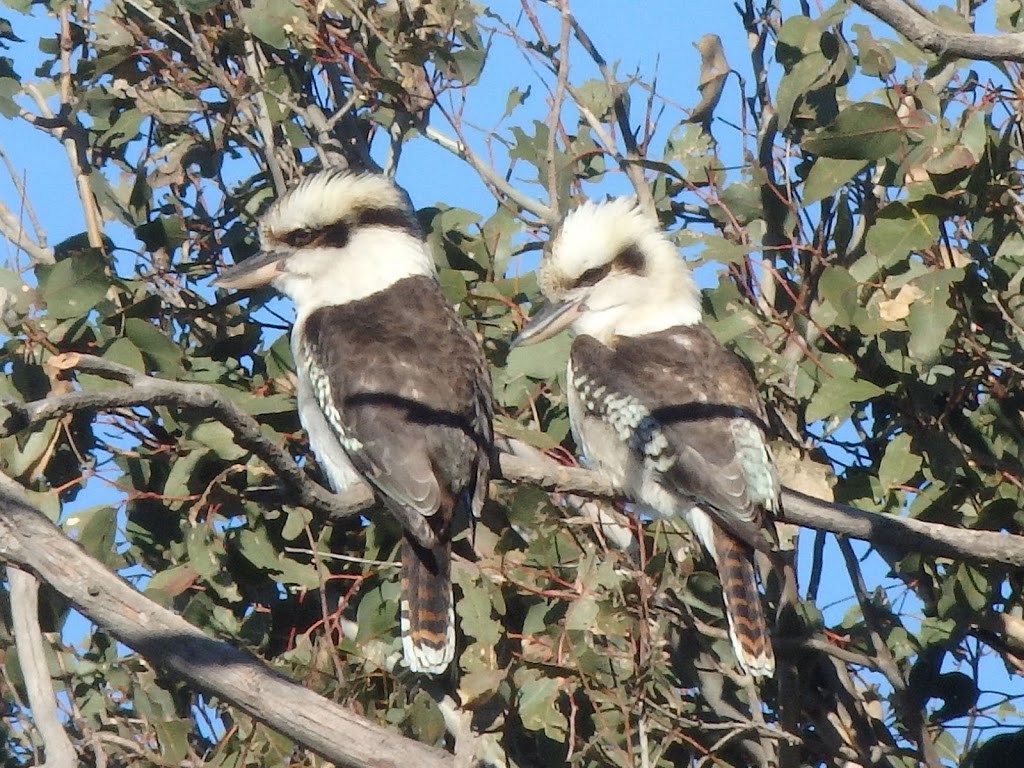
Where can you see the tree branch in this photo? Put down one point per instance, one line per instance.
(146, 390)
(926, 34)
(491, 177)
(28, 637)
(905, 534)
(28, 540)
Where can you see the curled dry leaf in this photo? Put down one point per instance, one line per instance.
(898, 308)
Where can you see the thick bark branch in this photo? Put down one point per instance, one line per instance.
(926, 34)
(29, 541)
(31, 645)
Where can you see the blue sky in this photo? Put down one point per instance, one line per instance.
(646, 37)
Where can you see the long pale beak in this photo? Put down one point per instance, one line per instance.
(255, 271)
(551, 320)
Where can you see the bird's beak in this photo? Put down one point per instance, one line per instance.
(551, 320)
(255, 271)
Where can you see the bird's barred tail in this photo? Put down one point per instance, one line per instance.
(427, 611)
(748, 629)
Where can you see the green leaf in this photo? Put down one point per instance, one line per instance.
(183, 471)
(900, 463)
(9, 88)
(95, 528)
(468, 64)
(931, 316)
(474, 610)
(972, 587)
(530, 435)
(538, 707)
(377, 612)
(268, 21)
(156, 346)
(173, 737)
(70, 288)
(875, 57)
(541, 361)
(123, 352)
(828, 175)
(897, 233)
(839, 292)
(721, 251)
(935, 631)
(596, 96)
(256, 547)
(800, 82)
(295, 524)
(862, 131)
(839, 392)
(166, 232)
(215, 435)
(516, 97)
(479, 686)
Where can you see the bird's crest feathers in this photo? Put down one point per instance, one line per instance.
(614, 261)
(325, 198)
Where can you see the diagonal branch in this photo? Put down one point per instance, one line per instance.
(490, 176)
(926, 34)
(31, 542)
(630, 164)
(143, 390)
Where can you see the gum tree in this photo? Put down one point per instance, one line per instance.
(860, 193)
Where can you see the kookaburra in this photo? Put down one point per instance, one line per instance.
(656, 404)
(392, 386)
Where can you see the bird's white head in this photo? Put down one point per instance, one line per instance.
(336, 237)
(612, 271)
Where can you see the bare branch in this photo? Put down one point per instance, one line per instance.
(148, 391)
(555, 115)
(71, 139)
(266, 127)
(60, 752)
(490, 176)
(28, 540)
(926, 34)
(12, 229)
(620, 104)
(905, 534)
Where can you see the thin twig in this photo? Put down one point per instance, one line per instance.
(488, 174)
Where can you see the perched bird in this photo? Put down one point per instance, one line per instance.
(656, 404)
(392, 386)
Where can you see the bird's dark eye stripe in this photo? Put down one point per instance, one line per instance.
(395, 218)
(592, 276)
(631, 259)
(335, 235)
